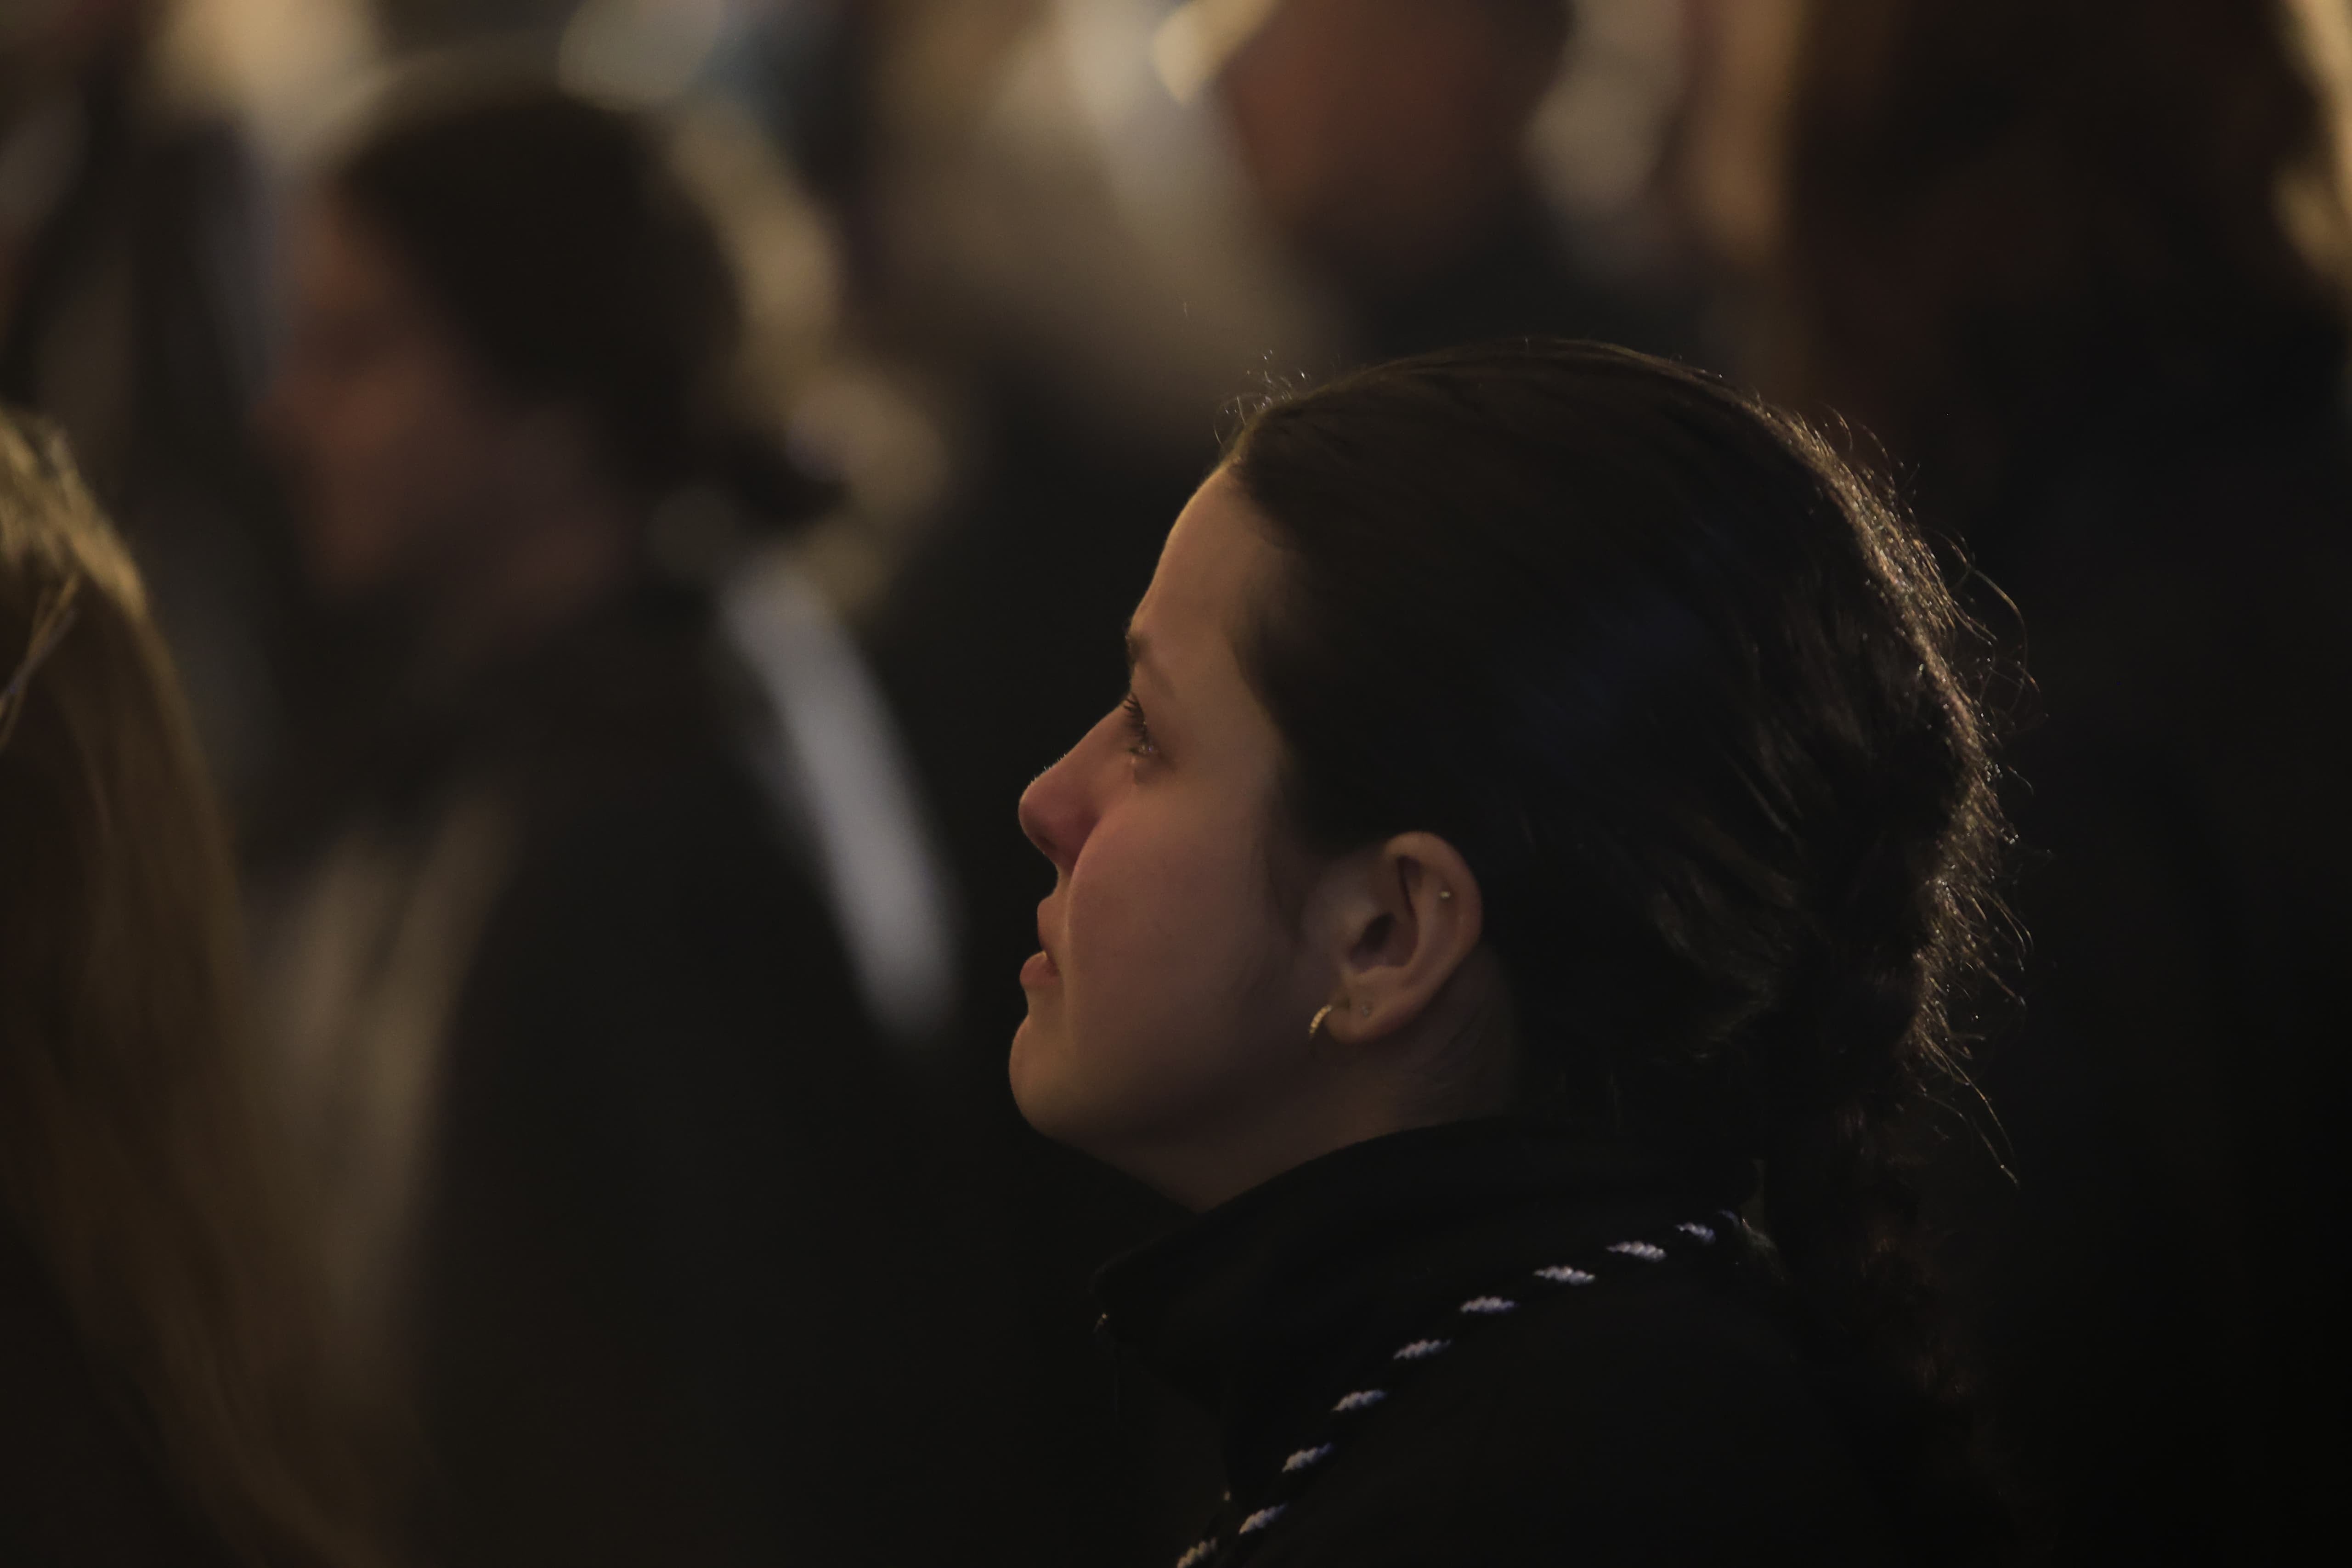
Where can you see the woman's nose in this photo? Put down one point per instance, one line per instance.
(1056, 812)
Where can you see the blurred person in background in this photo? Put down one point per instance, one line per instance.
(1388, 141)
(132, 232)
(165, 1395)
(625, 1179)
(2083, 269)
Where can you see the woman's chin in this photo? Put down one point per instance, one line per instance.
(1029, 1070)
(1052, 1098)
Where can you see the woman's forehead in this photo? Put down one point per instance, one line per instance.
(1214, 557)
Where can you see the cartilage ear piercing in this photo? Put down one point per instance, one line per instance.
(1315, 1028)
(1443, 894)
(1366, 1009)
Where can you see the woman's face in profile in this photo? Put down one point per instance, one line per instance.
(1171, 994)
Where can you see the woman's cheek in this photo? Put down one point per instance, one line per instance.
(1167, 933)
(1113, 959)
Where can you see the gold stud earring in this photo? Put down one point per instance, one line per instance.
(1315, 1028)
(1443, 894)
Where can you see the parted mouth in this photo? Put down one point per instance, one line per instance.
(1042, 966)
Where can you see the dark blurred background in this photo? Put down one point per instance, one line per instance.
(2072, 273)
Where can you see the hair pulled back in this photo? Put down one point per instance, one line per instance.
(1686, 692)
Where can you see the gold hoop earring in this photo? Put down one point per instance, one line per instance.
(1315, 1028)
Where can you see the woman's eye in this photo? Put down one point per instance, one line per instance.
(1139, 730)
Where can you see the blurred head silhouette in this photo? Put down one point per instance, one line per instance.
(511, 325)
(1985, 228)
(133, 1154)
(1383, 136)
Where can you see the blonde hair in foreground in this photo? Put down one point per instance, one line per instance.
(133, 1147)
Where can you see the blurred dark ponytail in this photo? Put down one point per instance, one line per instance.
(1686, 693)
(563, 249)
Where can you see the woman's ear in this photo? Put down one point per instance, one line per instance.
(1400, 920)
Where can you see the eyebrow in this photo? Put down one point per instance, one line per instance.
(1138, 650)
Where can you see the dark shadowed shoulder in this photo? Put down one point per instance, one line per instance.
(1643, 1423)
(701, 1247)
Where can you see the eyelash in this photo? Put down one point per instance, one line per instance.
(1139, 730)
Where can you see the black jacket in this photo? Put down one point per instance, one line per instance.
(1492, 1343)
(697, 1274)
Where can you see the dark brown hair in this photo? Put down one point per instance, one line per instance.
(1693, 701)
(2008, 223)
(135, 1145)
(565, 253)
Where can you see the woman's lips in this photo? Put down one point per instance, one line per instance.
(1041, 969)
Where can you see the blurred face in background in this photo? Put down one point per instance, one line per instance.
(397, 444)
(1381, 134)
(1169, 1006)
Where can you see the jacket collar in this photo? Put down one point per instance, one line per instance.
(1262, 1308)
